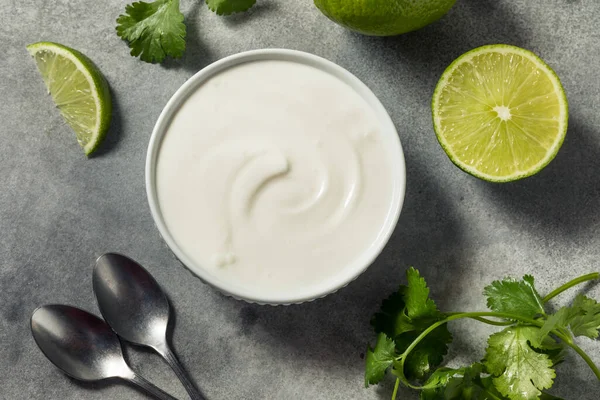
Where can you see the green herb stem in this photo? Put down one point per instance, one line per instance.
(475, 315)
(569, 342)
(453, 317)
(395, 393)
(485, 320)
(586, 358)
(478, 315)
(469, 315)
(490, 322)
(570, 284)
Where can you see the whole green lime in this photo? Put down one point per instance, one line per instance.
(384, 17)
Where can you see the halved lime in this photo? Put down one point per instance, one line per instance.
(78, 89)
(500, 113)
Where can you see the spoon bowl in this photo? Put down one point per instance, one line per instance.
(83, 346)
(130, 300)
(136, 308)
(79, 343)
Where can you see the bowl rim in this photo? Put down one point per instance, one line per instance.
(345, 275)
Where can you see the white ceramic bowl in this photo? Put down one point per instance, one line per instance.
(392, 144)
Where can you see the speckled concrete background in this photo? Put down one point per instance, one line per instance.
(59, 211)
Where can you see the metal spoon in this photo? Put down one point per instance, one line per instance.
(136, 308)
(84, 346)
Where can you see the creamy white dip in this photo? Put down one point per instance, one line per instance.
(274, 175)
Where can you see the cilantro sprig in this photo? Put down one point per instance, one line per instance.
(403, 317)
(154, 30)
(157, 30)
(520, 360)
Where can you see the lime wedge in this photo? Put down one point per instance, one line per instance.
(78, 89)
(500, 113)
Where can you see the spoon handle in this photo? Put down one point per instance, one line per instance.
(170, 358)
(150, 388)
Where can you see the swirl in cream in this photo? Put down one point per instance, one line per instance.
(274, 173)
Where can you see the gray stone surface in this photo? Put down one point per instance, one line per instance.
(59, 211)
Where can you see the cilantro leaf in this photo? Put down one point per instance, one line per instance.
(421, 313)
(404, 316)
(519, 372)
(435, 387)
(427, 355)
(547, 345)
(392, 320)
(441, 376)
(226, 7)
(379, 359)
(153, 30)
(558, 320)
(408, 309)
(515, 297)
(460, 384)
(490, 392)
(416, 297)
(543, 343)
(588, 322)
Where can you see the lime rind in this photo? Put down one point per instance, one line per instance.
(99, 90)
(384, 17)
(562, 118)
